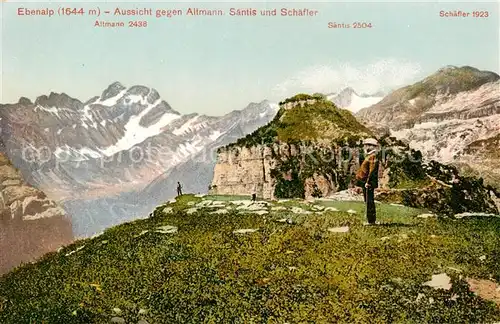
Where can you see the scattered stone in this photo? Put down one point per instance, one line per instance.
(462, 215)
(167, 229)
(220, 211)
(245, 231)
(419, 297)
(439, 281)
(279, 208)
(351, 211)
(191, 210)
(318, 207)
(397, 205)
(104, 242)
(117, 320)
(116, 310)
(143, 322)
(347, 195)
(285, 220)
(283, 200)
(433, 236)
(261, 212)
(143, 311)
(482, 257)
(191, 203)
(168, 210)
(426, 216)
(333, 209)
(141, 233)
(78, 249)
(297, 210)
(385, 238)
(292, 268)
(343, 229)
(455, 269)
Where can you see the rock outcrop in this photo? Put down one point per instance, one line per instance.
(310, 149)
(260, 169)
(30, 223)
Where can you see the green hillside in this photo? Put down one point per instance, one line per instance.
(288, 261)
(320, 121)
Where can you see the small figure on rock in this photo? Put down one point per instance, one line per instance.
(179, 189)
(367, 178)
(254, 193)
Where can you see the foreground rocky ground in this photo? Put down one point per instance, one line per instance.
(226, 259)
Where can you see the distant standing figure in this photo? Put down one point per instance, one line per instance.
(367, 178)
(179, 189)
(254, 193)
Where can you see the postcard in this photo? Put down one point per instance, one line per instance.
(249, 162)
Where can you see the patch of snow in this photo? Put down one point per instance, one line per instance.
(261, 212)
(186, 127)
(200, 195)
(135, 133)
(279, 208)
(385, 238)
(333, 209)
(343, 229)
(168, 210)
(351, 211)
(191, 203)
(190, 211)
(358, 103)
(439, 281)
(215, 135)
(111, 101)
(59, 131)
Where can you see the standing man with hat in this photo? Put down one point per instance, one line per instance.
(367, 178)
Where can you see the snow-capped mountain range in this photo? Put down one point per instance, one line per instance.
(120, 140)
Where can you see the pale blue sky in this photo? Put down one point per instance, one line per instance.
(217, 64)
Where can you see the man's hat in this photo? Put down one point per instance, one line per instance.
(370, 141)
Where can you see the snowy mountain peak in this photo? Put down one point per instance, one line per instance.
(349, 99)
(112, 90)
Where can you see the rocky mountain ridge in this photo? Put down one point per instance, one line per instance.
(442, 115)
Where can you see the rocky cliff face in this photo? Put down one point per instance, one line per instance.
(30, 223)
(275, 171)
